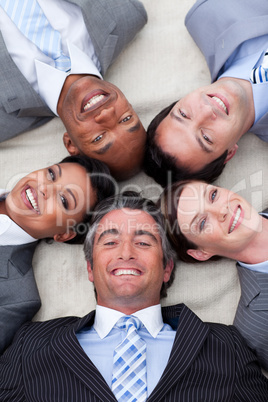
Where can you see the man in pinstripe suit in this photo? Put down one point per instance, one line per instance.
(131, 264)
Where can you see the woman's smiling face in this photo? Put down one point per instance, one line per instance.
(217, 220)
(50, 201)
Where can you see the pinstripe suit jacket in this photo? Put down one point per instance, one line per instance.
(219, 27)
(208, 362)
(19, 297)
(111, 24)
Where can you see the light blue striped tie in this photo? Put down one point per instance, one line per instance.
(260, 74)
(129, 380)
(32, 22)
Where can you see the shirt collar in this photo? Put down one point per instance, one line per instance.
(50, 87)
(106, 318)
(10, 232)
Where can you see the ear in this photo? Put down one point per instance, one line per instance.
(199, 255)
(62, 237)
(69, 145)
(168, 270)
(90, 272)
(231, 153)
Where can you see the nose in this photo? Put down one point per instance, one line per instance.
(221, 213)
(46, 190)
(106, 115)
(206, 111)
(126, 251)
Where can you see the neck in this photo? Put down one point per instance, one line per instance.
(256, 251)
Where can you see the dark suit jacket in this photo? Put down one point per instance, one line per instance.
(111, 24)
(19, 297)
(219, 27)
(208, 362)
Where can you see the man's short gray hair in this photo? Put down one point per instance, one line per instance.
(131, 200)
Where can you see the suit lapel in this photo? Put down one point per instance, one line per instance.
(16, 90)
(100, 33)
(190, 337)
(65, 344)
(20, 256)
(254, 288)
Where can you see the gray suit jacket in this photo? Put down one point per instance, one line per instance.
(252, 312)
(219, 27)
(208, 362)
(112, 24)
(251, 318)
(19, 297)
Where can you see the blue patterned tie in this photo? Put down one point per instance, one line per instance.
(32, 22)
(260, 74)
(129, 382)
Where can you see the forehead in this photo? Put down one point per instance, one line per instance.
(192, 197)
(128, 221)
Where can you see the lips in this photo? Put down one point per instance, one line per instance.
(93, 100)
(29, 197)
(222, 103)
(236, 219)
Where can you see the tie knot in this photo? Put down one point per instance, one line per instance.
(127, 321)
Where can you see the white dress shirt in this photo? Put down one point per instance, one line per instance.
(38, 68)
(10, 233)
(100, 341)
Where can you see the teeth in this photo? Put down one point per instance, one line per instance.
(237, 215)
(93, 101)
(31, 199)
(220, 102)
(120, 272)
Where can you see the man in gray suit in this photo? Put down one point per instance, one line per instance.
(176, 356)
(196, 136)
(99, 120)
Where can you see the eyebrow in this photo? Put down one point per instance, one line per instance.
(59, 169)
(104, 149)
(137, 233)
(106, 232)
(200, 142)
(134, 128)
(146, 233)
(72, 194)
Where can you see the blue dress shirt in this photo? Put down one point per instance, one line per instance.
(261, 266)
(239, 65)
(100, 341)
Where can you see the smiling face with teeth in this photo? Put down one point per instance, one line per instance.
(128, 270)
(102, 124)
(216, 220)
(205, 123)
(50, 201)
